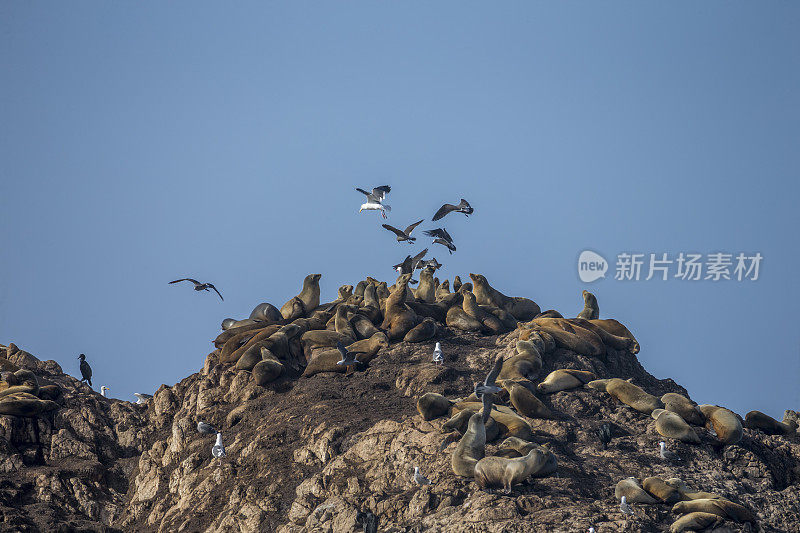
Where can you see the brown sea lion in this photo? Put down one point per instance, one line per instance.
(718, 506)
(629, 487)
(399, 319)
(616, 328)
(267, 370)
(442, 290)
(363, 326)
(522, 367)
(509, 423)
(292, 309)
(550, 313)
(767, 424)
(471, 448)
(489, 321)
(661, 490)
(307, 300)
(527, 404)
(426, 290)
(365, 350)
(673, 426)
(725, 423)
(257, 340)
(695, 522)
(521, 308)
(591, 311)
(633, 396)
(266, 312)
(223, 337)
(564, 379)
(432, 405)
(25, 404)
(423, 331)
(684, 407)
(506, 472)
(458, 319)
(323, 338)
(360, 288)
(456, 284)
(571, 336)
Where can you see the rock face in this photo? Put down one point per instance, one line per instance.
(310, 453)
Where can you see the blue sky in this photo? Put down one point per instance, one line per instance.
(146, 142)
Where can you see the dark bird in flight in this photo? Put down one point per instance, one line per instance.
(86, 370)
(200, 286)
(446, 209)
(410, 263)
(375, 200)
(433, 263)
(404, 235)
(442, 237)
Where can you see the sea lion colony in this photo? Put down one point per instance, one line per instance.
(300, 339)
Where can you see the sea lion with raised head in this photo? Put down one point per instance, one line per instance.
(521, 308)
(426, 290)
(442, 290)
(471, 448)
(399, 319)
(507, 472)
(591, 311)
(308, 299)
(488, 320)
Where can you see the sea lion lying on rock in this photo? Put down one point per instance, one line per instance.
(526, 403)
(695, 522)
(661, 490)
(509, 423)
(507, 472)
(616, 328)
(564, 379)
(673, 426)
(718, 506)
(725, 423)
(522, 367)
(433, 405)
(633, 492)
(767, 424)
(365, 350)
(633, 396)
(485, 294)
(684, 407)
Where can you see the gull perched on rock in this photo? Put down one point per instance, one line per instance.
(437, 354)
(200, 286)
(442, 237)
(625, 507)
(103, 390)
(488, 386)
(666, 454)
(375, 200)
(446, 209)
(419, 479)
(218, 450)
(208, 429)
(404, 235)
(142, 397)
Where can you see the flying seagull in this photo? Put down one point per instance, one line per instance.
(404, 235)
(409, 264)
(488, 401)
(218, 450)
(142, 397)
(437, 354)
(86, 370)
(348, 358)
(666, 454)
(442, 237)
(208, 429)
(625, 507)
(488, 386)
(375, 200)
(200, 286)
(446, 209)
(433, 263)
(103, 390)
(419, 479)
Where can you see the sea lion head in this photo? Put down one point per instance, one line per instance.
(478, 279)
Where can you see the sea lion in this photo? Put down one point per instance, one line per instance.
(341, 321)
(365, 350)
(616, 328)
(591, 311)
(456, 284)
(267, 370)
(458, 319)
(25, 404)
(684, 407)
(292, 309)
(688, 493)
(442, 290)
(278, 342)
(488, 320)
(598, 384)
(360, 288)
(236, 329)
(363, 326)
(550, 313)
(661, 490)
(250, 346)
(545, 342)
(633, 396)
(432, 405)
(228, 323)
(460, 421)
(237, 344)
(720, 507)
(505, 318)
(695, 522)
(22, 380)
(323, 338)
(521, 308)
(608, 339)
(504, 472)
(471, 448)
(673, 426)
(399, 319)
(522, 367)
(423, 331)
(767, 424)
(436, 311)
(571, 336)
(629, 487)
(527, 404)
(266, 312)
(726, 424)
(371, 297)
(509, 423)
(426, 290)
(564, 379)
(515, 447)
